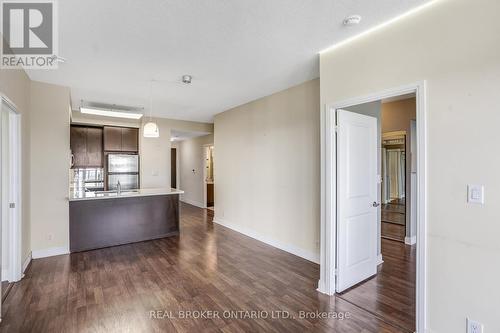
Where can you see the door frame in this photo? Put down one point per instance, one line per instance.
(205, 155)
(328, 235)
(15, 188)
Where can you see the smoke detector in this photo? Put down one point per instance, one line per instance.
(187, 79)
(352, 20)
(58, 59)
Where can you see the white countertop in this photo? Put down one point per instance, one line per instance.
(143, 192)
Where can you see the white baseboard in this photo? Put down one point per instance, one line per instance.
(321, 288)
(379, 259)
(411, 240)
(50, 252)
(26, 262)
(314, 257)
(193, 202)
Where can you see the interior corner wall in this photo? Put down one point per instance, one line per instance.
(15, 85)
(459, 59)
(191, 168)
(267, 169)
(50, 162)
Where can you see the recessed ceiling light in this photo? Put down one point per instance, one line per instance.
(110, 113)
(352, 20)
(187, 79)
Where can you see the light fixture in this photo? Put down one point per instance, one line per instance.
(352, 20)
(110, 112)
(150, 129)
(380, 26)
(187, 79)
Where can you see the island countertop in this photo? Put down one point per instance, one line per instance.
(143, 192)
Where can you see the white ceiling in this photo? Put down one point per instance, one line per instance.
(176, 135)
(236, 50)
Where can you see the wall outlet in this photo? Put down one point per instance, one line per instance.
(474, 326)
(50, 236)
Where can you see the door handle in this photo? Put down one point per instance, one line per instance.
(375, 204)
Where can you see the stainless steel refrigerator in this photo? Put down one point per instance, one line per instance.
(123, 168)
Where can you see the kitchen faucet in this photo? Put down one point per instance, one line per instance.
(118, 188)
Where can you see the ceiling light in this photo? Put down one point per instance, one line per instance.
(187, 79)
(150, 129)
(110, 113)
(352, 20)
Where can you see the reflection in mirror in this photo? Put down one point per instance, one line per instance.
(393, 158)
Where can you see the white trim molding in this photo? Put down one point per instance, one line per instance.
(14, 195)
(327, 283)
(193, 202)
(411, 240)
(310, 256)
(26, 262)
(50, 252)
(380, 260)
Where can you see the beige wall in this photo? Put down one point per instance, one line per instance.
(190, 156)
(396, 116)
(155, 152)
(15, 85)
(50, 160)
(455, 47)
(267, 169)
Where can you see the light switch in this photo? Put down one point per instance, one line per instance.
(475, 194)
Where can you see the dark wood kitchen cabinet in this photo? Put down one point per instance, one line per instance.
(94, 147)
(86, 147)
(130, 139)
(112, 138)
(121, 139)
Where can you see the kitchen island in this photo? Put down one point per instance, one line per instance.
(102, 219)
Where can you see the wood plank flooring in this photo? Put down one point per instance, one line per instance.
(393, 231)
(391, 293)
(207, 267)
(393, 216)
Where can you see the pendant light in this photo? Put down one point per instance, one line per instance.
(151, 129)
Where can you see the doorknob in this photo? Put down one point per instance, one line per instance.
(375, 204)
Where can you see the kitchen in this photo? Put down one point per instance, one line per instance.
(108, 202)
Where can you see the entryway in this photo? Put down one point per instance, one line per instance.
(373, 202)
(10, 193)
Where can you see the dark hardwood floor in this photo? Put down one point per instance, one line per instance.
(392, 231)
(6, 287)
(393, 217)
(207, 267)
(391, 293)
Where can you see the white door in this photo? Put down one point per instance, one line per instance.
(356, 198)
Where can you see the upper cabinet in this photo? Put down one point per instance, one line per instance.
(121, 139)
(130, 139)
(86, 147)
